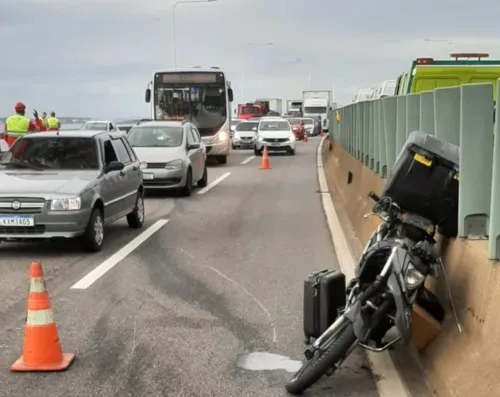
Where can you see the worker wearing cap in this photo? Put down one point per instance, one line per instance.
(53, 123)
(17, 125)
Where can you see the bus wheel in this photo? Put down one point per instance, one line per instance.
(222, 159)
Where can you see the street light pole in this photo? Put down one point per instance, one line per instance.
(174, 54)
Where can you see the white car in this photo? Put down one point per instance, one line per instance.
(97, 125)
(244, 135)
(276, 134)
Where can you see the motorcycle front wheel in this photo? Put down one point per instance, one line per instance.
(323, 360)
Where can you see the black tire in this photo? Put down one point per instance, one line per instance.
(317, 366)
(93, 238)
(257, 152)
(187, 190)
(291, 152)
(203, 182)
(136, 218)
(233, 147)
(222, 159)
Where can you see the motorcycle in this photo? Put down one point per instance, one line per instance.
(389, 280)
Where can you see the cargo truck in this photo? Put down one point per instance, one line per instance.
(317, 104)
(294, 107)
(271, 105)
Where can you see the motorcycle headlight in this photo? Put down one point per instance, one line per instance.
(174, 165)
(413, 278)
(65, 204)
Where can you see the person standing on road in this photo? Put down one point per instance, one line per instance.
(18, 124)
(53, 122)
(43, 121)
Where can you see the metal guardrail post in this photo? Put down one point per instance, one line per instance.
(412, 113)
(366, 133)
(371, 135)
(427, 112)
(400, 123)
(358, 122)
(376, 136)
(382, 150)
(494, 227)
(476, 159)
(389, 106)
(447, 114)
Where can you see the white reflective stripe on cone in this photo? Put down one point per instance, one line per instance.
(38, 318)
(37, 285)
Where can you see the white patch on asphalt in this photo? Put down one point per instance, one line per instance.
(214, 183)
(249, 294)
(263, 361)
(246, 161)
(118, 256)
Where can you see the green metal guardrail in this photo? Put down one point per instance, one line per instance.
(374, 132)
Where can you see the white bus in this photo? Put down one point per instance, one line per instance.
(203, 96)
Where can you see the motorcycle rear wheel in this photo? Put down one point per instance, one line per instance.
(320, 363)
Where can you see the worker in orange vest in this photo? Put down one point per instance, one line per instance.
(17, 125)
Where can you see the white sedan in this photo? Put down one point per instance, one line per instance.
(276, 134)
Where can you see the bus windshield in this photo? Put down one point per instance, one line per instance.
(203, 103)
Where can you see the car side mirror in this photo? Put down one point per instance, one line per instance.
(230, 95)
(114, 166)
(148, 95)
(194, 146)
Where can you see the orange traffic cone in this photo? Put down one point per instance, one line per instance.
(41, 348)
(321, 132)
(264, 163)
(305, 138)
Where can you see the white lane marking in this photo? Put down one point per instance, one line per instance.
(249, 294)
(246, 161)
(214, 183)
(118, 256)
(387, 379)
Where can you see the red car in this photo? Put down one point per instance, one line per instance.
(297, 128)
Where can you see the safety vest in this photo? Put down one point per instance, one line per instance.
(44, 122)
(17, 125)
(53, 122)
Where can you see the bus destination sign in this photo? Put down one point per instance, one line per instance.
(190, 77)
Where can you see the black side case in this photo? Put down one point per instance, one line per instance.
(324, 295)
(424, 180)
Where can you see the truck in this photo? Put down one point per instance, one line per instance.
(363, 95)
(317, 104)
(386, 88)
(249, 110)
(271, 105)
(294, 107)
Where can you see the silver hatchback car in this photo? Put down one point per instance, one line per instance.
(172, 155)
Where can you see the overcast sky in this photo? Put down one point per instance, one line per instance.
(95, 57)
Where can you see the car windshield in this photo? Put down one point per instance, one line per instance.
(249, 110)
(95, 126)
(158, 136)
(234, 123)
(246, 126)
(308, 121)
(294, 121)
(58, 153)
(274, 126)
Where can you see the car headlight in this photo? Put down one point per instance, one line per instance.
(222, 136)
(413, 278)
(66, 204)
(143, 165)
(260, 138)
(174, 165)
(236, 136)
(291, 138)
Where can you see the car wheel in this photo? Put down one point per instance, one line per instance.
(257, 152)
(136, 218)
(222, 159)
(187, 190)
(291, 152)
(233, 147)
(203, 182)
(93, 238)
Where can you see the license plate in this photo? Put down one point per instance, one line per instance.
(17, 220)
(147, 176)
(275, 144)
(208, 141)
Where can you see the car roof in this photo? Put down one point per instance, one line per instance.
(98, 121)
(162, 123)
(74, 134)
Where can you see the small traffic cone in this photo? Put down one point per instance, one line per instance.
(321, 132)
(305, 138)
(41, 347)
(264, 162)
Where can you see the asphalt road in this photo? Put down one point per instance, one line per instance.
(221, 279)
